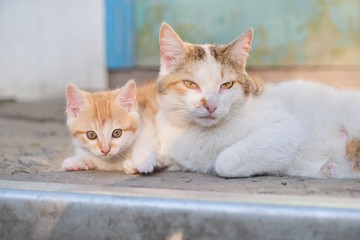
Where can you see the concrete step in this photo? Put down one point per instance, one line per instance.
(30, 210)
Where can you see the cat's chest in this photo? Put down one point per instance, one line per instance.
(202, 142)
(194, 148)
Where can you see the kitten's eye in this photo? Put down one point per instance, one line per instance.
(227, 85)
(91, 135)
(117, 133)
(190, 84)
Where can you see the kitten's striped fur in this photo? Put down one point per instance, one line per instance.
(104, 112)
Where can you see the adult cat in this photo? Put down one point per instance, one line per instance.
(212, 117)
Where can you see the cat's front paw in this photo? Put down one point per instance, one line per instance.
(222, 166)
(76, 164)
(129, 167)
(228, 164)
(144, 162)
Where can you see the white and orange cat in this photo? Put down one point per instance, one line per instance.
(106, 127)
(213, 118)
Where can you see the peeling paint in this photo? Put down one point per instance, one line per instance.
(308, 32)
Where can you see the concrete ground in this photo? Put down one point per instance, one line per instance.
(34, 140)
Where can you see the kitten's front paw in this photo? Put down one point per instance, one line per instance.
(75, 164)
(144, 162)
(129, 168)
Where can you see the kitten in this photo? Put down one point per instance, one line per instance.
(103, 126)
(213, 118)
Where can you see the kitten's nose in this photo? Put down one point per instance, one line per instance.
(105, 150)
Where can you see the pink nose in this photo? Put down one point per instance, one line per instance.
(105, 150)
(210, 108)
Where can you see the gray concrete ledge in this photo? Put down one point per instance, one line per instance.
(68, 211)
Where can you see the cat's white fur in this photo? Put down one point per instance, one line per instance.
(292, 128)
(297, 128)
(144, 157)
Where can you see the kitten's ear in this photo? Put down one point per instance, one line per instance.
(172, 48)
(239, 49)
(75, 99)
(127, 96)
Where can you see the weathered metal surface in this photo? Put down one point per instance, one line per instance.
(63, 211)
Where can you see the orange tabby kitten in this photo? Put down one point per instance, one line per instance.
(106, 125)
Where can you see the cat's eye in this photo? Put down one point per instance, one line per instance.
(190, 84)
(91, 135)
(117, 133)
(227, 85)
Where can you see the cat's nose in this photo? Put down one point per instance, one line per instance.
(210, 102)
(105, 150)
(210, 108)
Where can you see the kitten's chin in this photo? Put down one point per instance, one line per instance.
(111, 156)
(103, 156)
(106, 157)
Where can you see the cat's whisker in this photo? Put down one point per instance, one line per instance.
(120, 155)
(232, 114)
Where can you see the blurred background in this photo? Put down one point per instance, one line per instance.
(98, 44)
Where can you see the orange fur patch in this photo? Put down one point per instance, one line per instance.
(222, 73)
(76, 133)
(201, 103)
(172, 83)
(245, 85)
(353, 152)
(204, 102)
(146, 100)
(102, 107)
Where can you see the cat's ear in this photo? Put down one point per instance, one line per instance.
(75, 99)
(172, 49)
(127, 96)
(239, 49)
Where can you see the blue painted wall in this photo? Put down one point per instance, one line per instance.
(296, 32)
(120, 34)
